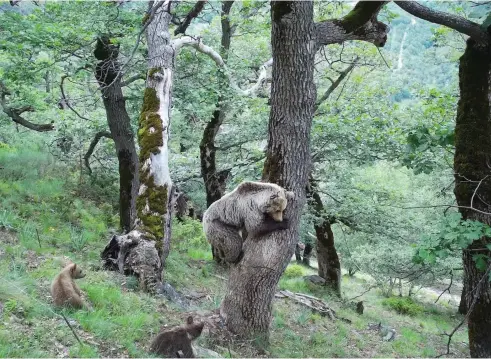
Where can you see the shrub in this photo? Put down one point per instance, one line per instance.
(294, 270)
(403, 305)
(189, 235)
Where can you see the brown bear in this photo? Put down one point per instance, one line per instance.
(253, 208)
(176, 342)
(64, 291)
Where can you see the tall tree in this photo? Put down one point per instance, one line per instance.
(473, 185)
(144, 249)
(329, 266)
(108, 75)
(471, 164)
(247, 305)
(215, 180)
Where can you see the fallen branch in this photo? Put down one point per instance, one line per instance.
(313, 303)
(71, 328)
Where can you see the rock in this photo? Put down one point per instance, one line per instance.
(205, 353)
(315, 279)
(172, 295)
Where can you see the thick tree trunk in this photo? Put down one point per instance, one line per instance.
(327, 256)
(107, 74)
(143, 250)
(246, 308)
(473, 185)
(215, 181)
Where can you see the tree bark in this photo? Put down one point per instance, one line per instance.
(307, 252)
(246, 308)
(463, 302)
(143, 250)
(327, 256)
(215, 181)
(473, 184)
(108, 75)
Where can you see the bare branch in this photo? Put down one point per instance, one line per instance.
(240, 143)
(91, 149)
(198, 7)
(477, 294)
(15, 113)
(335, 84)
(133, 79)
(67, 102)
(197, 44)
(365, 292)
(454, 22)
(446, 289)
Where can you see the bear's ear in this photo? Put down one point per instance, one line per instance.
(74, 268)
(290, 196)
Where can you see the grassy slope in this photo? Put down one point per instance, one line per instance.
(34, 197)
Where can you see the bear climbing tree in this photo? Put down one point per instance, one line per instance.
(247, 306)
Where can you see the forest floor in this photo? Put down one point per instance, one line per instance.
(44, 221)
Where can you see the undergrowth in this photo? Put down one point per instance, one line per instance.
(45, 219)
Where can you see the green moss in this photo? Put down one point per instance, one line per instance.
(360, 15)
(149, 118)
(153, 71)
(145, 18)
(152, 204)
(153, 218)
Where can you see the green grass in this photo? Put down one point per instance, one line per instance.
(403, 305)
(34, 201)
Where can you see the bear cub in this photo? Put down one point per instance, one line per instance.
(176, 342)
(64, 290)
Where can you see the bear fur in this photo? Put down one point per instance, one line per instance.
(176, 342)
(252, 209)
(64, 290)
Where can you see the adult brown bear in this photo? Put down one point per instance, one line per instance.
(253, 208)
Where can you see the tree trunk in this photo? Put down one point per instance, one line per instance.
(473, 185)
(298, 255)
(143, 250)
(327, 256)
(246, 308)
(463, 302)
(307, 252)
(215, 181)
(108, 77)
